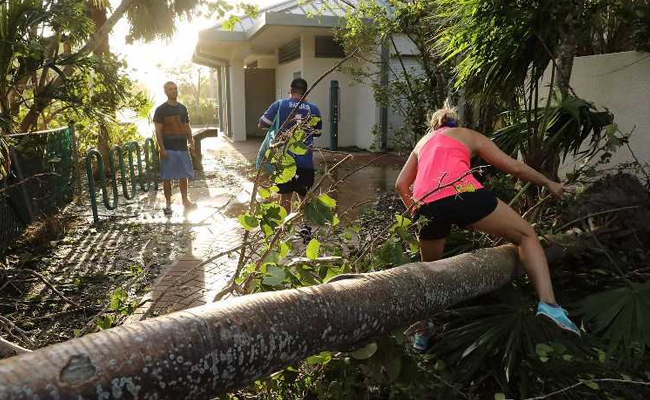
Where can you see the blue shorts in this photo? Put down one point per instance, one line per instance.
(177, 165)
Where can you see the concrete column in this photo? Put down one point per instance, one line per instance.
(227, 103)
(237, 100)
(220, 97)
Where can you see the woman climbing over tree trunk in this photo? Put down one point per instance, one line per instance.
(443, 156)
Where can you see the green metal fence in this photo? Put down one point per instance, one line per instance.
(41, 180)
(123, 163)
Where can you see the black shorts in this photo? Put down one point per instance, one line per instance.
(462, 209)
(301, 183)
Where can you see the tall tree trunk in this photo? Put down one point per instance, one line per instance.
(203, 352)
(567, 52)
(568, 46)
(101, 48)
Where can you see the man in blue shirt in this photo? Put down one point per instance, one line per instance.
(304, 179)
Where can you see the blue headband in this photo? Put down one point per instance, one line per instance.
(451, 123)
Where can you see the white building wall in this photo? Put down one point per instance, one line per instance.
(619, 82)
(284, 76)
(357, 105)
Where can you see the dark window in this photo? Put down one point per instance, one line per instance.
(289, 52)
(328, 47)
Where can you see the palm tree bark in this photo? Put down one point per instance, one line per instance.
(568, 47)
(209, 350)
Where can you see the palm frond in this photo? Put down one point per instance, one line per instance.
(620, 317)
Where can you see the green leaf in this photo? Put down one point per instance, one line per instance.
(318, 212)
(611, 129)
(105, 322)
(335, 220)
(499, 396)
(312, 249)
(117, 299)
(275, 276)
(285, 169)
(365, 352)
(327, 200)
(284, 250)
(267, 230)
(274, 189)
(264, 193)
(543, 350)
(331, 273)
(313, 121)
(248, 221)
(298, 148)
(320, 359)
(592, 385)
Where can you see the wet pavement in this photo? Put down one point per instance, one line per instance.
(222, 192)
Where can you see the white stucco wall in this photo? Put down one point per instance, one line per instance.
(357, 105)
(284, 76)
(619, 82)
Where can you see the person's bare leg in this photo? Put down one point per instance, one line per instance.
(182, 184)
(506, 223)
(285, 201)
(430, 250)
(167, 189)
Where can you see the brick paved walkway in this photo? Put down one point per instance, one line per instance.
(186, 283)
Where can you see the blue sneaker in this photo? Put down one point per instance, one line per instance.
(558, 315)
(421, 342)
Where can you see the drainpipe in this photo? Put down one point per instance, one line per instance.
(334, 115)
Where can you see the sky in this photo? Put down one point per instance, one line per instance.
(148, 61)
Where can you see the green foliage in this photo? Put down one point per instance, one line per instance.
(411, 94)
(504, 333)
(321, 210)
(496, 46)
(544, 136)
(620, 317)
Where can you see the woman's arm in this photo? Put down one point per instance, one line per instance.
(406, 178)
(491, 153)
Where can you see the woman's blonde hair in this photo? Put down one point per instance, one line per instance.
(443, 116)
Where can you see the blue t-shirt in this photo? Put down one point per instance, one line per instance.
(305, 111)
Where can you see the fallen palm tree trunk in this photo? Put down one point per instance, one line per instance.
(205, 351)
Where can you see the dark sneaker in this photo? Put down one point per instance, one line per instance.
(558, 315)
(168, 211)
(305, 234)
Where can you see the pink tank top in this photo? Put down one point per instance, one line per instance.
(442, 160)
